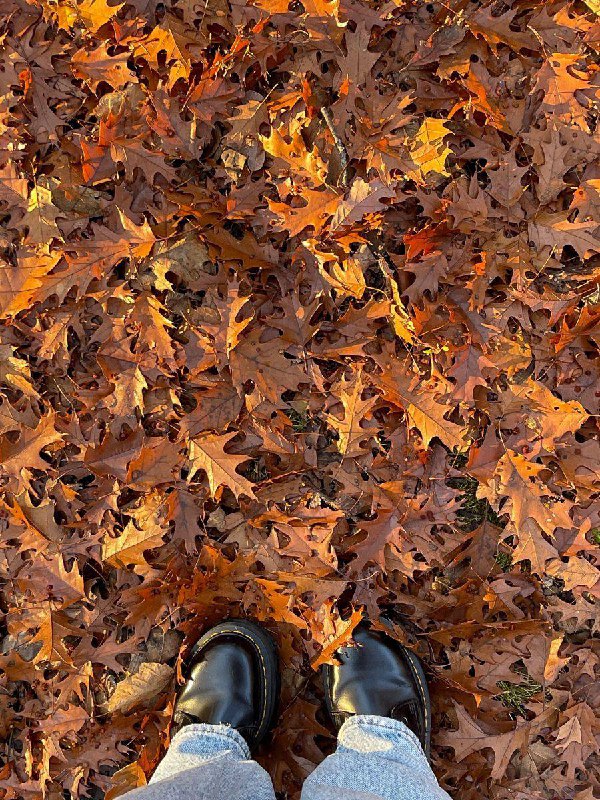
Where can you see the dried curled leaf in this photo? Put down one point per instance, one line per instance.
(140, 688)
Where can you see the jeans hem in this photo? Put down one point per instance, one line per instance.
(383, 724)
(201, 733)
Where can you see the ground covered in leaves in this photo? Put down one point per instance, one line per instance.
(300, 320)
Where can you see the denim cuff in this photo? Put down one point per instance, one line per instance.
(391, 730)
(202, 739)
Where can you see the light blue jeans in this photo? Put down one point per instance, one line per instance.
(376, 759)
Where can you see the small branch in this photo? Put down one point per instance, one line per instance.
(339, 146)
(385, 263)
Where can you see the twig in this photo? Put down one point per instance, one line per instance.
(339, 146)
(385, 263)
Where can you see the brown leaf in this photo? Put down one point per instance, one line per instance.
(141, 688)
(206, 453)
(470, 738)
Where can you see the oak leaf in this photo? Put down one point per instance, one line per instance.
(207, 453)
(61, 584)
(516, 477)
(337, 633)
(319, 207)
(18, 459)
(422, 409)
(96, 13)
(351, 434)
(129, 548)
(141, 687)
(428, 150)
(470, 738)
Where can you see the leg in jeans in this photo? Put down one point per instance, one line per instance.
(377, 758)
(223, 711)
(207, 762)
(376, 694)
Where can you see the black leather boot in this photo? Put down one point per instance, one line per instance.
(380, 677)
(233, 680)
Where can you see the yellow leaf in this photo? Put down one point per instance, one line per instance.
(140, 237)
(345, 276)
(96, 13)
(428, 150)
(41, 217)
(319, 207)
(124, 780)
(130, 546)
(553, 662)
(295, 153)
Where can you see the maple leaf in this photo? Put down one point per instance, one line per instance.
(207, 453)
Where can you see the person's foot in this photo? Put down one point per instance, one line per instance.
(233, 680)
(381, 677)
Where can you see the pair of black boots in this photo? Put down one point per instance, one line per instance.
(234, 680)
